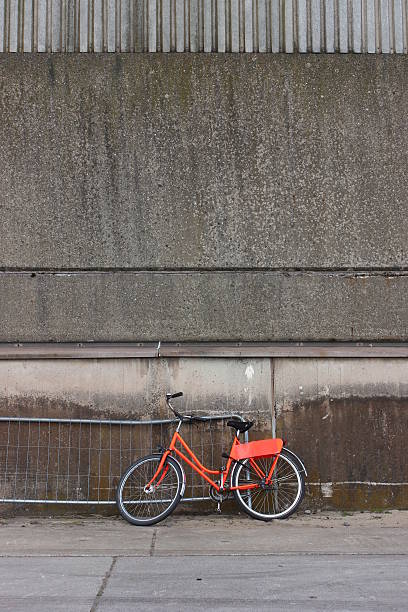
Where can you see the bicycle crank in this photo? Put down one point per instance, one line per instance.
(218, 496)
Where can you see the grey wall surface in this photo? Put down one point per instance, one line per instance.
(203, 162)
(358, 26)
(203, 197)
(215, 306)
(349, 418)
(136, 388)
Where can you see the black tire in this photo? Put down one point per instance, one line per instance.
(284, 496)
(140, 507)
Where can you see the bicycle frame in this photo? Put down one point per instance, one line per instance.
(196, 465)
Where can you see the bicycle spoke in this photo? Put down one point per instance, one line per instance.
(143, 505)
(273, 498)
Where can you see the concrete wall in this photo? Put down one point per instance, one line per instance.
(218, 198)
(134, 387)
(248, 306)
(349, 418)
(203, 198)
(346, 417)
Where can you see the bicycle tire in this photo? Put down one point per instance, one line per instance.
(281, 500)
(139, 507)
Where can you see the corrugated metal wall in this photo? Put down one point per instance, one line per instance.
(327, 26)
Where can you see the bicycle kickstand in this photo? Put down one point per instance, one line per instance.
(218, 507)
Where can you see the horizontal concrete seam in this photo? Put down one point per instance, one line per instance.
(45, 350)
(346, 272)
(166, 554)
(176, 270)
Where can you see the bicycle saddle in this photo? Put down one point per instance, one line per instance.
(240, 425)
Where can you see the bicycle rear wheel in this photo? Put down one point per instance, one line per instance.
(277, 501)
(142, 505)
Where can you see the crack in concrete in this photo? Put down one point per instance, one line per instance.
(103, 585)
(153, 543)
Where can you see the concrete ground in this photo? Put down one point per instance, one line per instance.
(325, 561)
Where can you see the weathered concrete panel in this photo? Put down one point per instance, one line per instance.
(348, 418)
(85, 462)
(203, 161)
(135, 388)
(153, 306)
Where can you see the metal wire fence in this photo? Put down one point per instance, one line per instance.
(80, 461)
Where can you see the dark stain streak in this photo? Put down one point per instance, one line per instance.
(117, 66)
(51, 70)
(352, 439)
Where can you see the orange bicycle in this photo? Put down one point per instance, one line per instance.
(267, 480)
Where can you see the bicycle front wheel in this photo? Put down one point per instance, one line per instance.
(141, 504)
(278, 500)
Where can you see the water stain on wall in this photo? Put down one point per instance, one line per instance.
(354, 449)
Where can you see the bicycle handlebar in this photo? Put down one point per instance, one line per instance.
(182, 417)
(170, 396)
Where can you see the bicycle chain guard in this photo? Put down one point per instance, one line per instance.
(217, 496)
